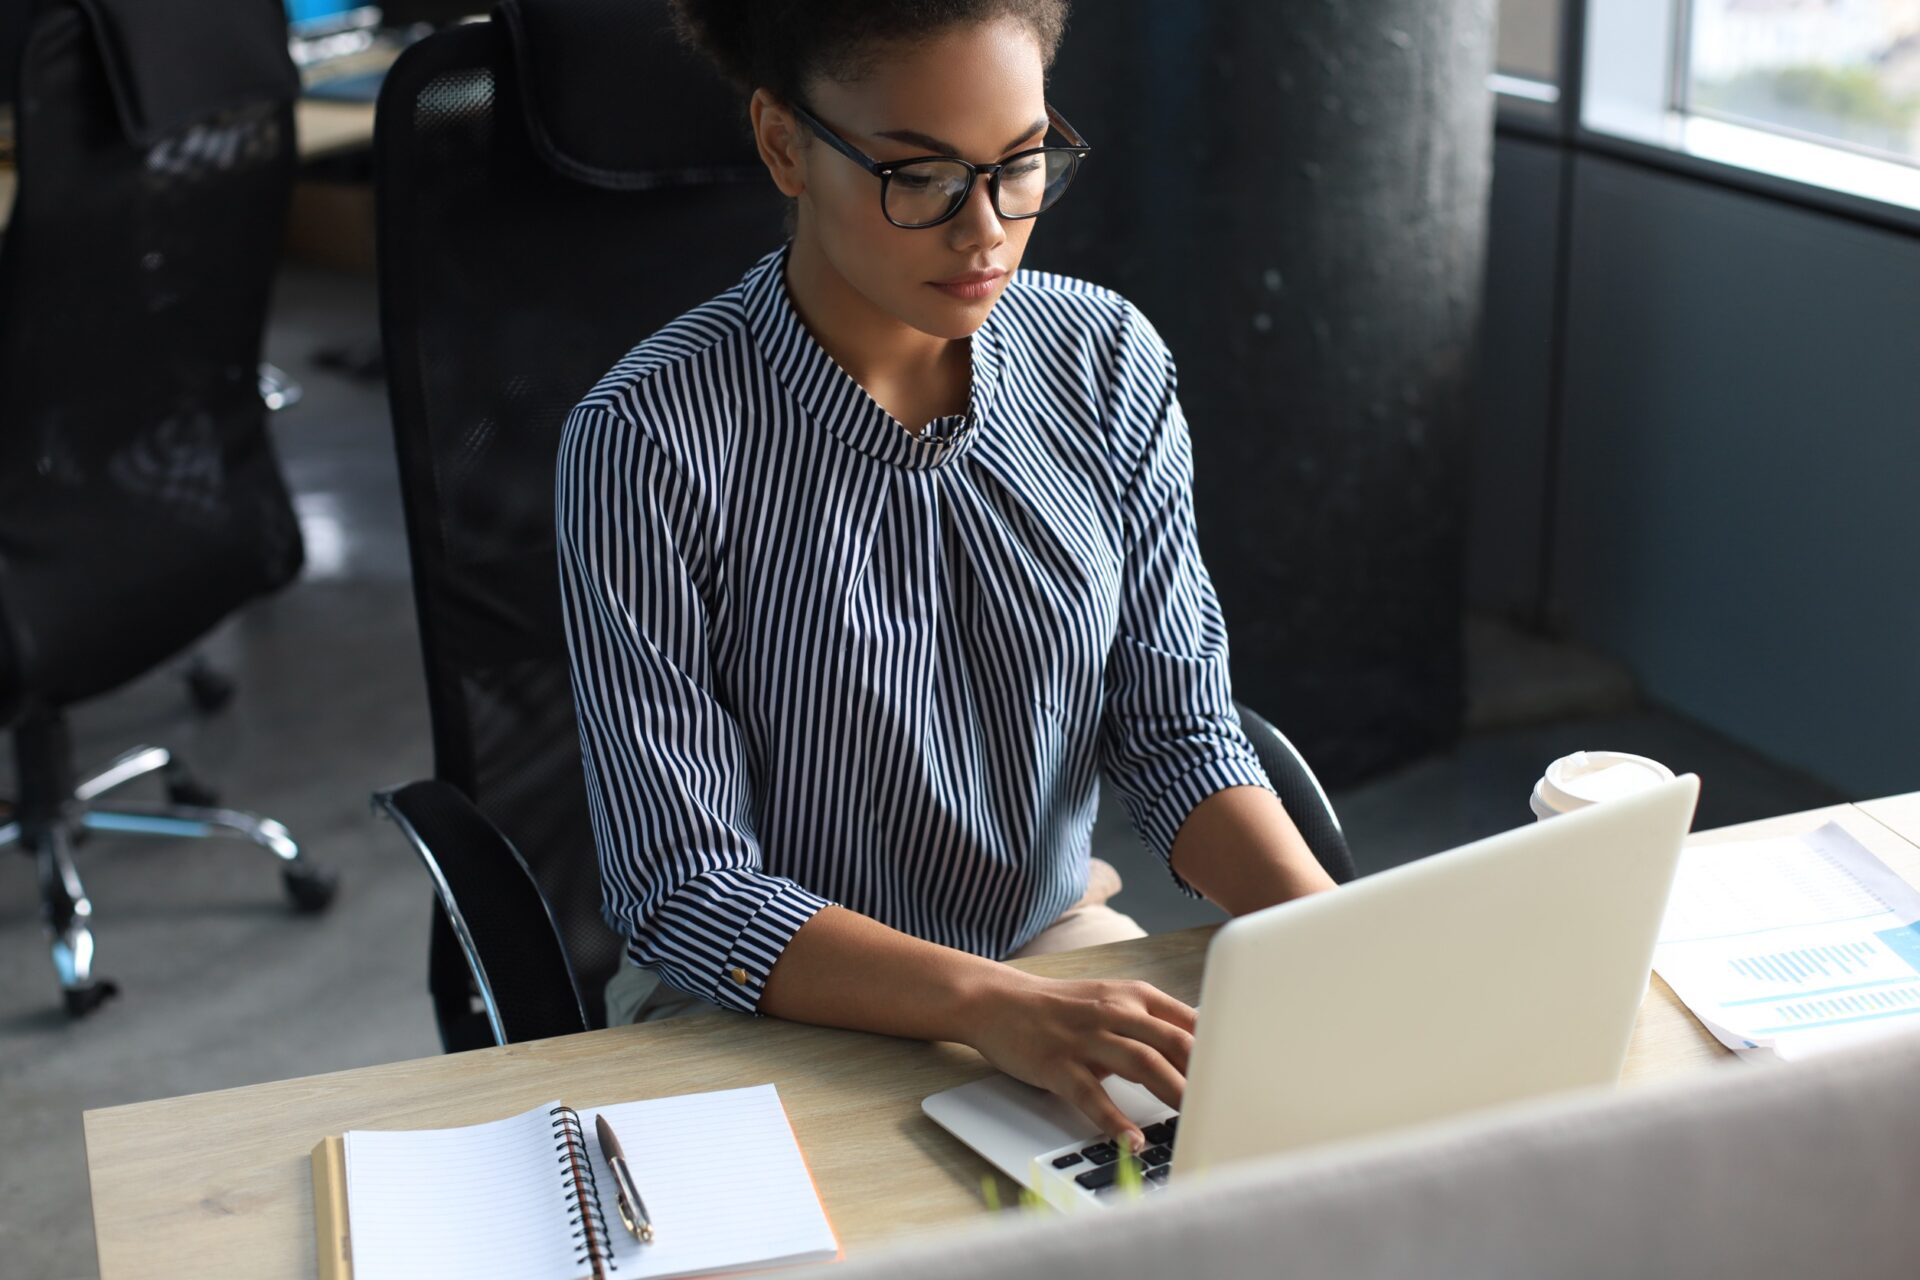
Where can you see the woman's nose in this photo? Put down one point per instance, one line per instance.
(978, 223)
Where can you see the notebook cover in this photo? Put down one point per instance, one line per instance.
(330, 1209)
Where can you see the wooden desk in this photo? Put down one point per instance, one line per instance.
(217, 1184)
(321, 128)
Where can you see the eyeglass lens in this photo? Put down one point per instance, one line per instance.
(929, 190)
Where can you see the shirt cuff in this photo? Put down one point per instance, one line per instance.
(742, 979)
(1162, 820)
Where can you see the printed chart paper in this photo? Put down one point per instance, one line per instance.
(1789, 946)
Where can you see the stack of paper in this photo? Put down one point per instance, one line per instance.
(1788, 946)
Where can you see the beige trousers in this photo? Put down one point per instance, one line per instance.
(638, 995)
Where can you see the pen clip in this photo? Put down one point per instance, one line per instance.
(633, 1214)
(626, 1214)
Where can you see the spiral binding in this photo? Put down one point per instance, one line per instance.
(588, 1220)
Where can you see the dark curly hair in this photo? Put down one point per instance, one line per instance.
(780, 45)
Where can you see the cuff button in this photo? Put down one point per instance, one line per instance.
(738, 974)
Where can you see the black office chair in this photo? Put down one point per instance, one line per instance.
(140, 501)
(535, 221)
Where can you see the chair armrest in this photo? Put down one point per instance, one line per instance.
(1301, 792)
(494, 907)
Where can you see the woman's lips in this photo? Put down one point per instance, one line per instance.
(971, 287)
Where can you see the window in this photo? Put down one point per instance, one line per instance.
(1823, 94)
(1835, 71)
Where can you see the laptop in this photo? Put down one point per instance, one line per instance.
(1505, 969)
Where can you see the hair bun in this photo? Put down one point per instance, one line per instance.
(723, 31)
(779, 44)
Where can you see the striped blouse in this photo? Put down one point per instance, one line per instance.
(819, 660)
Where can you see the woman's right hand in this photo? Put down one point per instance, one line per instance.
(1067, 1036)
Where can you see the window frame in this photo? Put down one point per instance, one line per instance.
(1614, 99)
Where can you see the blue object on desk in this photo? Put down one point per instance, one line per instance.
(302, 13)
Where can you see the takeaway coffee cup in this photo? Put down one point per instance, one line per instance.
(1592, 777)
(1589, 777)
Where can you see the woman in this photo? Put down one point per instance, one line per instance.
(875, 562)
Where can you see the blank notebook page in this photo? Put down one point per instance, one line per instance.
(470, 1203)
(723, 1180)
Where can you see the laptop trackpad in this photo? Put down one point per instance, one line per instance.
(1010, 1123)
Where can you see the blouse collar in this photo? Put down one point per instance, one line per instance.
(831, 396)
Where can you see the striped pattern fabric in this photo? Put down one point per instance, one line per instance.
(819, 660)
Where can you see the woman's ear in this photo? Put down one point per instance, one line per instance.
(781, 139)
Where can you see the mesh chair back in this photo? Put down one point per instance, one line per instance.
(140, 501)
(509, 285)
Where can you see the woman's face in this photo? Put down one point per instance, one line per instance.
(977, 92)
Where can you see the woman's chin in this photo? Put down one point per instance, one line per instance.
(951, 318)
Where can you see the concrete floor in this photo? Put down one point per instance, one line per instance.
(223, 986)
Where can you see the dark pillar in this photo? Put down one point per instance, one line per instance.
(1295, 194)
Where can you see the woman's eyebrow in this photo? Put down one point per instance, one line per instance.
(933, 144)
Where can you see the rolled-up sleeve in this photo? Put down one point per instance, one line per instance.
(1169, 734)
(667, 784)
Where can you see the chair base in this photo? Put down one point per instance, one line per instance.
(54, 816)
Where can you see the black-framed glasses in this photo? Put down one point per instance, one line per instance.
(925, 191)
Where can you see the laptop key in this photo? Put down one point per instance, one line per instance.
(1066, 1161)
(1094, 1179)
(1101, 1153)
(1158, 1133)
(1155, 1156)
(1160, 1174)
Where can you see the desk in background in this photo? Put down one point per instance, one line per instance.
(322, 129)
(329, 128)
(218, 1184)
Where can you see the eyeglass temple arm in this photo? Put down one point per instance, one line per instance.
(1060, 122)
(835, 141)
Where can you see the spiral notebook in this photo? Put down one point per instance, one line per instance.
(531, 1196)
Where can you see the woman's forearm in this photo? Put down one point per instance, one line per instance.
(1240, 848)
(843, 969)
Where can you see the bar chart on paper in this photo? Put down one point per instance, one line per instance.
(1786, 946)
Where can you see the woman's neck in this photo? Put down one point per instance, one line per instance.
(915, 376)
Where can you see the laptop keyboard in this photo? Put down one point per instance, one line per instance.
(1095, 1169)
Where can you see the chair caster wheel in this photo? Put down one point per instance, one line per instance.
(210, 690)
(88, 996)
(192, 792)
(311, 888)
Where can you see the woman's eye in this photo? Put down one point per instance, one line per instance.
(1025, 169)
(914, 181)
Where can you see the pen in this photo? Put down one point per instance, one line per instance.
(633, 1210)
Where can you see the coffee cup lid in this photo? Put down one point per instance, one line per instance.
(1588, 777)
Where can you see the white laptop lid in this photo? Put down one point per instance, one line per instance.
(1505, 969)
